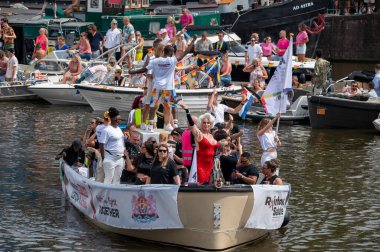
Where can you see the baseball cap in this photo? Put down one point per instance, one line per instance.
(162, 31)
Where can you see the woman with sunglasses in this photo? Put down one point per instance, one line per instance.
(269, 170)
(84, 47)
(206, 143)
(164, 170)
(143, 163)
(139, 49)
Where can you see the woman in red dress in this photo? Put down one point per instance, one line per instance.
(206, 144)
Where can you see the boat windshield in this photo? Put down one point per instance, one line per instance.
(237, 48)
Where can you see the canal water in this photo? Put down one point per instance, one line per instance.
(335, 202)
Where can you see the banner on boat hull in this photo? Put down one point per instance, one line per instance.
(269, 206)
(123, 206)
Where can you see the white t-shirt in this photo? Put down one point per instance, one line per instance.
(113, 38)
(150, 59)
(372, 93)
(13, 62)
(99, 130)
(138, 81)
(253, 52)
(163, 72)
(219, 112)
(113, 140)
(98, 68)
(267, 140)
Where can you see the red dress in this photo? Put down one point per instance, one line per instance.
(205, 160)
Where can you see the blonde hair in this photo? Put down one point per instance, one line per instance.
(166, 160)
(206, 116)
(263, 123)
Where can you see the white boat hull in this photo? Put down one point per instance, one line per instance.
(16, 93)
(59, 94)
(101, 97)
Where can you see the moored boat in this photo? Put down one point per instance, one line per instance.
(339, 111)
(101, 97)
(58, 94)
(199, 217)
(16, 92)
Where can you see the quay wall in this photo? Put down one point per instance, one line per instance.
(351, 38)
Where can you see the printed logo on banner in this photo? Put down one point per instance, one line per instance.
(144, 208)
(277, 204)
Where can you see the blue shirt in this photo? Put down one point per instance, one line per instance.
(95, 41)
(64, 47)
(128, 30)
(376, 82)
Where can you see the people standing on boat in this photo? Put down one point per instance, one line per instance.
(89, 134)
(180, 44)
(221, 45)
(268, 48)
(163, 69)
(12, 68)
(39, 53)
(245, 172)
(203, 44)
(164, 36)
(268, 139)
(140, 46)
(129, 41)
(9, 37)
(376, 80)
(185, 19)
(112, 39)
(61, 44)
(301, 40)
(133, 151)
(225, 71)
(176, 135)
(3, 65)
(217, 109)
(74, 155)
(73, 70)
(163, 170)
(188, 145)
(352, 90)
(112, 148)
(143, 163)
(258, 72)
(84, 47)
(227, 161)
(42, 39)
(170, 27)
(269, 170)
(96, 41)
(321, 73)
(253, 50)
(282, 45)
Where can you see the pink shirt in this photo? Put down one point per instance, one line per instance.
(42, 41)
(186, 19)
(267, 49)
(282, 44)
(170, 30)
(301, 37)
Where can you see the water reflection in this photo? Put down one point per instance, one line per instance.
(335, 203)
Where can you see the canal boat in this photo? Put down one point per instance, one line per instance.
(200, 217)
(17, 91)
(101, 97)
(341, 111)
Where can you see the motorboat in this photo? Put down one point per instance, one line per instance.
(197, 217)
(101, 97)
(17, 91)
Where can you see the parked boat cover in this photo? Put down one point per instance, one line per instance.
(123, 206)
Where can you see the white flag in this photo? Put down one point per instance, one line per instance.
(275, 97)
(193, 178)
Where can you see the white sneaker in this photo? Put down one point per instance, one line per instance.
(143, 126)
(168, 127)
(149, 128)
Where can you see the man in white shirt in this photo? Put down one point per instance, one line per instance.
(218, 110)
(12, 68)
(112, 38)
(163, 83)
(253, 50)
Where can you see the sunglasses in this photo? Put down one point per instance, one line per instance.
(163, 151)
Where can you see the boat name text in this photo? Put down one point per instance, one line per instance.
(277, 204)
(303, 6)
(105, 210)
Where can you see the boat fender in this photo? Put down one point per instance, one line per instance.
(286, 219)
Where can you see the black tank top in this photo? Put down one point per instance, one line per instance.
(272, 179)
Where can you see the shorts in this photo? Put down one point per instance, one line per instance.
(148, 96)
(301, 49)
(158, 95)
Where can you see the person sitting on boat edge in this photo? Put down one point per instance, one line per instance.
(74, 155)
(225, 71)
(73, 70)
(372, 92)
(217, 109)
(163, 170)
(245, 172)
(268, 138)
(269, 170)
(112, 148)
(376, 79)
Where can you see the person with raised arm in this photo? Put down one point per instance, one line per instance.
(163, 82)
(268, 138)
